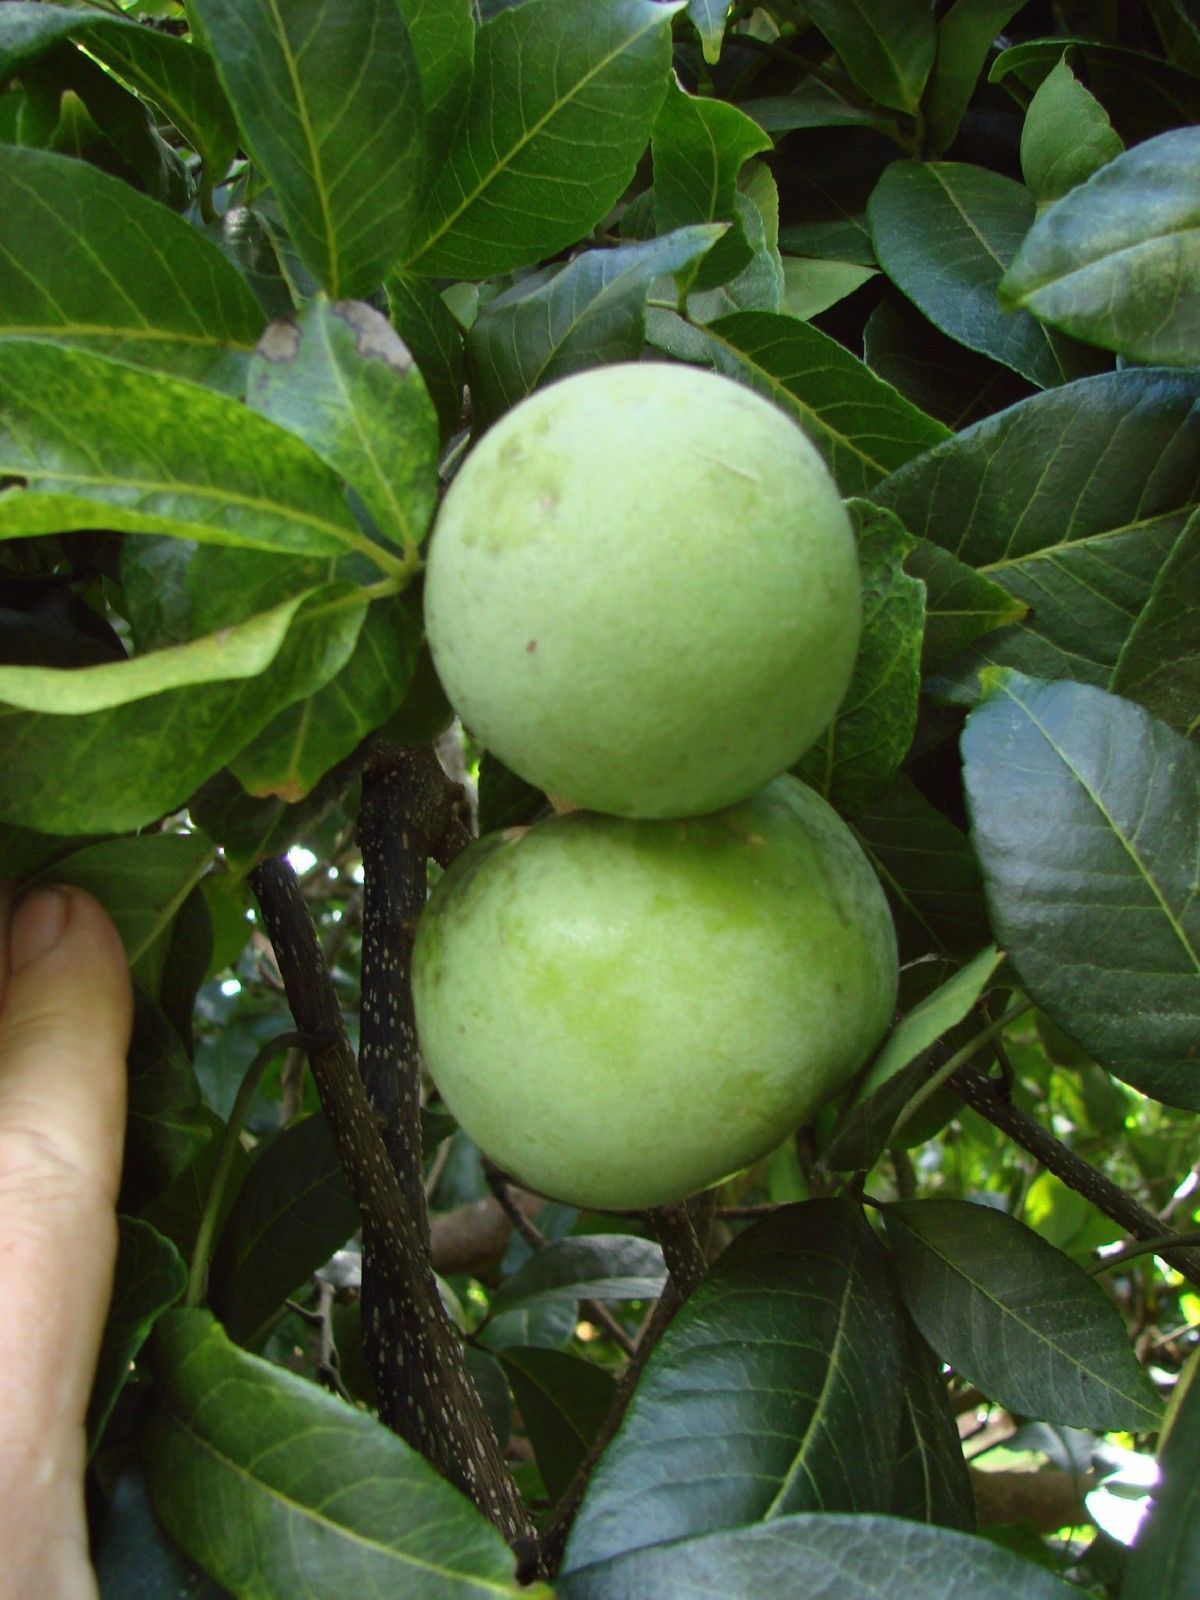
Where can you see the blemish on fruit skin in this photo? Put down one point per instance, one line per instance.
(531, 647)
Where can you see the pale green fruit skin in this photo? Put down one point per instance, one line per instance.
(621, 1012)
(643, 591)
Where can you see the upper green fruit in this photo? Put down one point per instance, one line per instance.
(643, 591)
(620, 1012)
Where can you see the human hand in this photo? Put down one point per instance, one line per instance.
(65, 1016)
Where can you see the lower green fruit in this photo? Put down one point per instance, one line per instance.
(620, 1013)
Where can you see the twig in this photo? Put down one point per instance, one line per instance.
(979, 1092)
(1145, 1247)
(680, 1246)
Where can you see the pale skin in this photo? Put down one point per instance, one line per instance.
(65, 1016)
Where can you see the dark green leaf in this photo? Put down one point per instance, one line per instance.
(928, 871)
(93, 458)
(960, 603)
(1067, 135)
(813, 104)
(700, 145)
(295, 750)
(149, 1277)
(860, 751)
(932, 1483)
(941, 376)
(563, 1400)
(329, 99)
(136, 1561)
(876, 1112)
(1143, 94)
(166, 1125)
(505, 801)
(425, 323)
(443, 41)
(1179, 28)
(340, 378)
(759, 285)
(964, 37)
(822, 1557)
(73, 241)
(789, 1345)
(185, 964)
(291, 1213)
(275, 1487)
(561, 106)
(1159, 664)
(1117, 260)
(547, 1326)
(1071, 500)
(488, 1377)
(1016, 1317)
(1165, 1564)
(1086, 818)
(589, 313)
(248, 829)
(887, 50)
(600, 1266)
(176, 1211)
(945, 232)
(861, 426)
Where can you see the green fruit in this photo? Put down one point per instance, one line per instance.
(643, 591)
(620, 1012)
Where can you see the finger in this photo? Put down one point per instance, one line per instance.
(65, 1018)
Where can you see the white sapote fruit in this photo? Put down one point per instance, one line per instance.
(622, 1012)
(643, 591)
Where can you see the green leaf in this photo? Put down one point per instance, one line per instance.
(179, 77)
(1179, 28)
(861, 750)
(148, 1279)
(1165, 1564)
(177, 1210)
(1117, 260)
(960, 603)
(598, 1266)
(700, 145)
(292, 1212)
(166, 1126)
(887, 50)
(141, 883)
(591, 312)
(956, 385)
(932, 1482)
(1086, 818)
(811, 286)
(1015, 1316)
(329, 99)
(1143, 94)
(92, 458)
(290, 756)
(1159, 664)
(861, 426)
(789, 1345)
(425, 323)
(443, 41)
(852, 1557)
(563, 1402)
(876, 1112)
(813, 104)
(1071, 500)
(964, 37)
(124, 767)
(928, 871)
(248, 829)
(561, 106)
(276, 1488)
(759, 285)
(340, 378)
(708, 19)
(1066, 137)
(945, 232)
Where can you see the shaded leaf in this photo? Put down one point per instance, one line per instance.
(932, 1482)
(1117, 260)
(1165, 1564)
(72, 239)
(960, 603)
(860, 751)
(1142, 94)
(1159, 664)
(597, 1266)
(1071, 500)
(964, 37)
(1066, 136)
(561, 106)
(589, 313)
(292, 1211)
(945, 232)
(247, 829)
(1016, 1317)
(166, 1125)
(425, 323)
(813, 104)
(250, 1472)
(329, 99)
(443, 40)
(149, 1277)
(823, 1557)
(563, 1401)
(135, 1560)
(888, 51)
(789, 1344)
(1086, 818)
(825, 188)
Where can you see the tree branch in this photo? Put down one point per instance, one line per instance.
(680, 1246)
(984, 1095)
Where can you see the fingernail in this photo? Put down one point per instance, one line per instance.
(37, 926)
